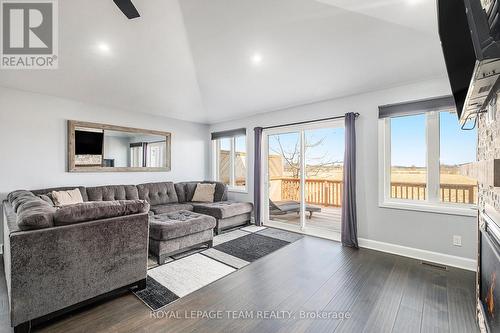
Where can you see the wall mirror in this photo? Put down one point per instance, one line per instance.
(106, 148)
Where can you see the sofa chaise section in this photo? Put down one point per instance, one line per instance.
(228, 214)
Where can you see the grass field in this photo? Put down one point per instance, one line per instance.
(406, 176)
(449, 175)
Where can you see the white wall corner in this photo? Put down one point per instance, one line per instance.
(435, 257)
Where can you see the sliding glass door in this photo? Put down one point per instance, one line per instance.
(324, 166)
(303, 176)
(283, 176)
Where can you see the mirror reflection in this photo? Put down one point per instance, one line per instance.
(96, 148)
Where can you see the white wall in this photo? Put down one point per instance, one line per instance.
(419, 230)
(33, 143)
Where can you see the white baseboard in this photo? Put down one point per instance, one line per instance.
(439, 258)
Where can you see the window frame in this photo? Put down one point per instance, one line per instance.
(232, 159)
(432, 202)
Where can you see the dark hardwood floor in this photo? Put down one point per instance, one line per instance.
(380, 292)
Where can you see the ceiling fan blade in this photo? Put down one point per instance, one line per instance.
(128, 8)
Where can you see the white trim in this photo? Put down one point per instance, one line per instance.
(457, 209)
(237, 190)
(264, 178)
(335, 123)
(384, 158)
(302, 180)
(232, 161)
(307, 230)
(435, 257)
(214, 161)
(432, 157)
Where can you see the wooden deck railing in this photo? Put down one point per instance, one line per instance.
(454, 193)
(326, 192)
(318, 191)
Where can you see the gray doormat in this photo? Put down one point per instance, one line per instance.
(232, 251)
(251, 247)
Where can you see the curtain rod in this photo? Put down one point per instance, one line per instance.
(308, 121)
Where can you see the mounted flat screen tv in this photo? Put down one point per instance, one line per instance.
(458, 48)
(470, 32)
(88, 143)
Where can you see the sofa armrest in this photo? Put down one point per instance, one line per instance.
(51, 269)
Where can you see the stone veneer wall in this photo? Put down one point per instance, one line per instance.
(488, 149)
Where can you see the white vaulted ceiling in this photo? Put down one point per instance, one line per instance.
(212, 60)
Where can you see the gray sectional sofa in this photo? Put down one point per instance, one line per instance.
(51, 265)
(57, 259)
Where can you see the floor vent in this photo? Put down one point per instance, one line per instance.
(434, 265)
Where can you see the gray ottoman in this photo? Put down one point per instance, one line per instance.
(173, 233)
(229, 214)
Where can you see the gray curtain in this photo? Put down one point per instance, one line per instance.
(257, 174)
(349, 219)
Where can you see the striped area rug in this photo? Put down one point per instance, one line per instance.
(190, 271)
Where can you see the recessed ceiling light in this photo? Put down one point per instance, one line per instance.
(256, 58)
(104, 48)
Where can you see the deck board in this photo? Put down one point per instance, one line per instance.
(328, 218)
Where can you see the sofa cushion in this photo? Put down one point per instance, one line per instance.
(185, 190)
(16, 198)
(190, 189)
(223, 209)
(112, 193)
(65, 198)
(178, 224)
(38, 217)
(46, 198)
(48, 191)
(204, 193)
(180, 190)
(158, 193)
(171, 208)
(97, 210)
(31, 211)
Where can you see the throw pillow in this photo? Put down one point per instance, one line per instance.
(204, 193)
(64, 198)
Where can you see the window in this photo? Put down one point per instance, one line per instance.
(408, 166)
(240, 162)
(457, 151)
(425, 158)
(147, 154)
(155, 154)
(230, 158)
(224, 160)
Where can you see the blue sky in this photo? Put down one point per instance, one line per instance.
(408, 147)
(408, 142)
(330, 150)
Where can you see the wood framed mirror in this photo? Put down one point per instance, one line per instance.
(94, 147)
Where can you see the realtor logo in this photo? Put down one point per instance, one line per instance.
(29, 34)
